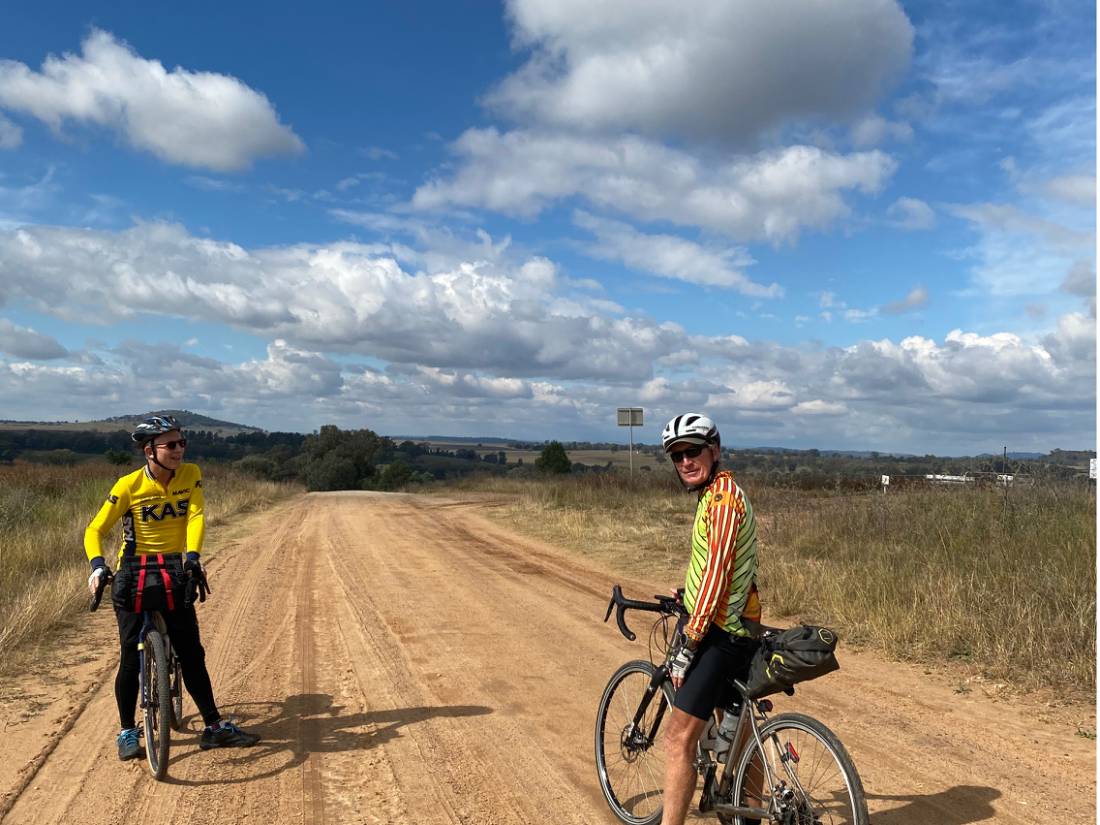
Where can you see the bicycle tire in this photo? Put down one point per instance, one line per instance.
(826, 787)
(158, 702)
(176, 692)
(631, 765)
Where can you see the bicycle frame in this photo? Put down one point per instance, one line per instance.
(746, 723)
(760, 765)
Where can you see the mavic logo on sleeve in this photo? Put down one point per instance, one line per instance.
(112, 498)
(158, 512)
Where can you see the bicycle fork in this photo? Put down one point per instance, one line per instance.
(655, 682)
(150, 623)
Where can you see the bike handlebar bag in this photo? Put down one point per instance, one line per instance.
(791, 656)
(149, 582)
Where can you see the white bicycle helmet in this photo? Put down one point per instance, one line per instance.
(689, 428)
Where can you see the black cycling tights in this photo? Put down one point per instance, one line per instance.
(183, 630)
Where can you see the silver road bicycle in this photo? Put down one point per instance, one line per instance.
(787, 769)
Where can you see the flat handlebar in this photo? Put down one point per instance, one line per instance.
(668, 605)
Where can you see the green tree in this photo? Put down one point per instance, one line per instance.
(395, 475)
(256, 465)
(331, 473)
(117, 457)
(553, 459)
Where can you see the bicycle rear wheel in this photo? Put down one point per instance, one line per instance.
(176, 691)
(815, 781)
(157, 704)
(630, 759)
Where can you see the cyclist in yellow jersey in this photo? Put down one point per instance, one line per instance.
(161, 508)
(720, 595)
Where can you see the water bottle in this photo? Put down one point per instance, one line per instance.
(726, 731)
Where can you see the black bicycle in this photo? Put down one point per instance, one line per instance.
(161, 679)
(785, 770)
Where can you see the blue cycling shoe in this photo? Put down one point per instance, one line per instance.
(129, 744)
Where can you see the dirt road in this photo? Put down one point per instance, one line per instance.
(407, 661)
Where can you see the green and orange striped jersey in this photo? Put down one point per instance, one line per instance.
(155, 518)
(720, 585)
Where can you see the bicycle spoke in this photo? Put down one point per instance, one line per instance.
(820, 788)
(631, 769)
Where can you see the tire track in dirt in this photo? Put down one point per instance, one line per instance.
(313, 804)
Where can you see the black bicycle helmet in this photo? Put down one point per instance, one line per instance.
(150, 428)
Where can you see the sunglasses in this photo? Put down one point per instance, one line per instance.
(171, 445)
(690, 452)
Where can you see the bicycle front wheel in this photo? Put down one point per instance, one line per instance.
(812, 778)
(157, 704)
(176, 691)
(630, 758)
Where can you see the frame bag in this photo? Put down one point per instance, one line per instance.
(791, 656)
(149, 582)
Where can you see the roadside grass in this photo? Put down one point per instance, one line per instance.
(43, 513)
(1003, 583)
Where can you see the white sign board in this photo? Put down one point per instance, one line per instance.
(630, 416)
(885, 481)
(1092, 468)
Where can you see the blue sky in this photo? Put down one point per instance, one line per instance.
(858, 225)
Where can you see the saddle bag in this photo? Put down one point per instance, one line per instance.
(149, 582)
(791, 656)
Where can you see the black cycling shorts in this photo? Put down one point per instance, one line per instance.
(719, 658)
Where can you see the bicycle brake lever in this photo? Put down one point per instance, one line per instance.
(616, 598)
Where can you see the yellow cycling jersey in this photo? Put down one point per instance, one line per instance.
(155, 518)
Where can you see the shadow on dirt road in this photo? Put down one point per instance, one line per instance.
(310, 723)
(960, 805)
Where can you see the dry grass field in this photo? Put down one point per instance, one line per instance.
(43, 513)
(595, 458)
(1003, 585)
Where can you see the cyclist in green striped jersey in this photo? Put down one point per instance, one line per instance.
(720, 595)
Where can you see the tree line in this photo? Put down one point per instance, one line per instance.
(329, 459)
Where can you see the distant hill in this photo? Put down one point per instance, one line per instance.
(188, 420)
(450, 439)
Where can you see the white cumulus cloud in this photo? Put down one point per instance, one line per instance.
(911, 214)
(715, 70)
(10, 134)
(673, 257)
(193, 118)
(24, 342)
(771, 195)
(916, 299)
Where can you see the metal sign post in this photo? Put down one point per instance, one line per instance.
(630, 417)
